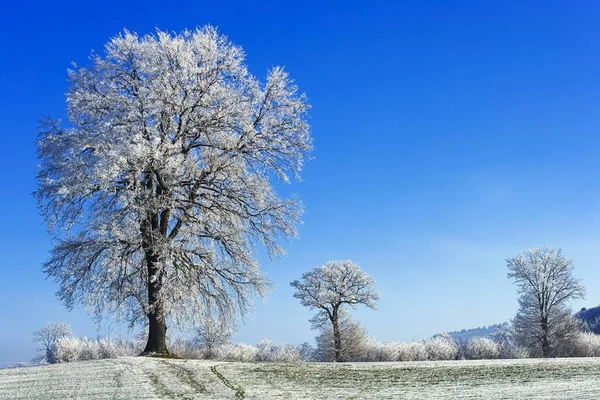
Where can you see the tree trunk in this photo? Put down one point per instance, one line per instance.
(157, 323)
(157, 334)
(155, 224)
(337, 340)
(545, 342)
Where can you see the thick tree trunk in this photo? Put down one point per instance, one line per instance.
(157, 334)
(157, 323)
(156, 225)
(545, 342)
(337, 340)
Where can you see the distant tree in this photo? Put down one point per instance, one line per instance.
(47, 337)
(160, 190)
(546, 285)
(328, 288)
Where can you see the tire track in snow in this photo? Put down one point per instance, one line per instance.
(159, 386)
(239, 392)
(187, 376)
(169, 380)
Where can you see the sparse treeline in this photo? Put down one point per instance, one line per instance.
(544, 325)
(363, 349)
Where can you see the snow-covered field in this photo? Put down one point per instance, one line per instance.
(146, 378)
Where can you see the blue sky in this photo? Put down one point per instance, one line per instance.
(448, 137)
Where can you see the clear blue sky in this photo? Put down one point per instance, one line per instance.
(448, 137)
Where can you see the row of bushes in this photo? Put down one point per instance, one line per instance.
(68, 349)
(583, 344)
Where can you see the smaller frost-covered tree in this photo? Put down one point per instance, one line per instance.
(47, 337)
(546, 285)
(328, 288)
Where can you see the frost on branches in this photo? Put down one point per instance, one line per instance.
(545, 281)
(159, 190)
(328, 288)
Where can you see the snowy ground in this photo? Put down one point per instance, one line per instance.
(145, 378)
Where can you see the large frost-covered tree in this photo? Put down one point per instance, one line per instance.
(546, 285)
(329, 287)
(160, 188)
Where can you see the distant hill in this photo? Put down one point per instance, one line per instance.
(7, 365)
(590, 318)
(466, 334)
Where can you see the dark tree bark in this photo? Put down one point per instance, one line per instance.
(545, 338)
(157, 323)
(157, 334)
(337, 340)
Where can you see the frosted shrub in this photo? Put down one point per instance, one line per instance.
(194, 353)
(67, 349)
(441, 348)
(376, 351)
(385, 352)
(371, 350)
(511, 350)
(481, 349)
(288, 353)
(266, 350)
(89, 349)
(236, 352)
(113, 348)
(414, 351)
(185, 349)
(585, 344)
